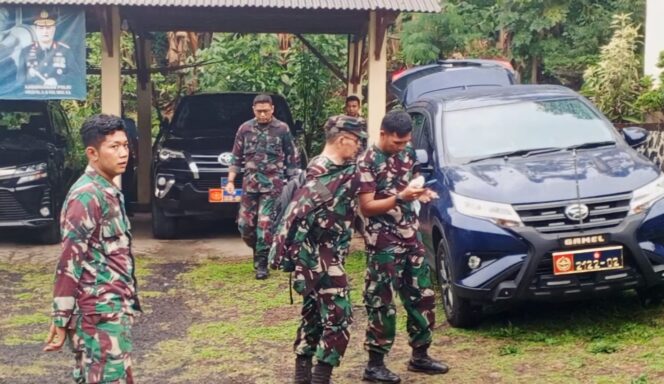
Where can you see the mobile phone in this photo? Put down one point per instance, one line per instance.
(430, 183)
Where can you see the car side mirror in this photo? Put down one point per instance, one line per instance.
(635, 136)
(422, 159)
(298, 128)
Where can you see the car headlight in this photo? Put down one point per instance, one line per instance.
(499, 213)
(165, 154)
(30, 173)
(643, 198)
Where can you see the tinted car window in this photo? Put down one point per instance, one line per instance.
(24, 118)
(205, 114)
(479, 132)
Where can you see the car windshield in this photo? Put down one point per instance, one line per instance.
(219, 115)
(24, 118)
(476, 133)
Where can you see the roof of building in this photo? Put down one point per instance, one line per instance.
(357, 5)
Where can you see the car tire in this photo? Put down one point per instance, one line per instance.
(50, 234)
(163, 227)
(460, 312)
(650, 297)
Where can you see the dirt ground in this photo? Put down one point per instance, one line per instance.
(207, 320)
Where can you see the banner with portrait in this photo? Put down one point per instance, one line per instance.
(42, 52)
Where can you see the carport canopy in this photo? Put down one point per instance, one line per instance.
(365, 21)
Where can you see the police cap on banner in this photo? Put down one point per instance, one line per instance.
(45, 19)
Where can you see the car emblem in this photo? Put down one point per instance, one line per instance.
(225, 158)
(576, 212)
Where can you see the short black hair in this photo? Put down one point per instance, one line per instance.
(352, 98)
(263, 98)
(398, 122)
(96, 127)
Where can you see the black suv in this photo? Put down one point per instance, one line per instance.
(191, 156)
(34, 176)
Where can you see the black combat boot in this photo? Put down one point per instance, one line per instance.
(421, 362)
(322, 373)
(261, 269)
(303, 366)
(377, 372)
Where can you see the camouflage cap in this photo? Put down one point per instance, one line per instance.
(44, 19)
(355, 125)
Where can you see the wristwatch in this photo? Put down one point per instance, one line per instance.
(400, 198)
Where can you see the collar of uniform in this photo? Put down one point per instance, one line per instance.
(257, 125)
(101, 181)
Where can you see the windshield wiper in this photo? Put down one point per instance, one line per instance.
(596, 144)
(520, 152)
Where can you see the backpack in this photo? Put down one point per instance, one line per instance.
(285, 198)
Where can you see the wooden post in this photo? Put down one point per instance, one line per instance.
(144, 123)
(377, 74)
(111, 82)
(111, 86)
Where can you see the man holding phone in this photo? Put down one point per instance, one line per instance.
(395, 254)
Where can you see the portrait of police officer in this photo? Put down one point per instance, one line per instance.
(46, 62)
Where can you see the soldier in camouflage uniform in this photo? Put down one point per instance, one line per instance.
(395, 254)
(95, 299)
(313, 240)
(265, 148)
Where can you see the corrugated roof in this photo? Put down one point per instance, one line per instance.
(357, 5)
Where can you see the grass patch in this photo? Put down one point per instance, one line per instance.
(23, 320)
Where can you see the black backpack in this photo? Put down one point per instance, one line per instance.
(285, 198)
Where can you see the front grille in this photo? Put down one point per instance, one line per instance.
(208, 163)
(10, 209)
(604, 211)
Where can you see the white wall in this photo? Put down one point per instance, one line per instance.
(654, 36)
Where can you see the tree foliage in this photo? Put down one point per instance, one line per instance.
(546, 40)
(615, 82)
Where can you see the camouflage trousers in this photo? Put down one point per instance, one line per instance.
(255, 223)
(323, 330)
(102, 346)
(408, 274)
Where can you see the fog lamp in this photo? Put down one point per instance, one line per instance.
(161, 181)
(45, 211)
(474, 262)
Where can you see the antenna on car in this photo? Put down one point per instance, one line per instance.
(576, 181)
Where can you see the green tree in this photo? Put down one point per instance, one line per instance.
(615, 82)
(546, 40)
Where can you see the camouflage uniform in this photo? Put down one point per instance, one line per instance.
(395, 255)
(269, 156)
(313, 241)
(95, 287)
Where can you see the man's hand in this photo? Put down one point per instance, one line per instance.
(230, 188)
(56, 338)
(427, 196)
(411, 193)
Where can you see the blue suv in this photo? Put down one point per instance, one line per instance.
(540, 199)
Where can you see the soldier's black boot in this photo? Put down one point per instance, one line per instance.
(322, 373)
(421, 362)
(261, 269)
(377, 372)
(303, 367)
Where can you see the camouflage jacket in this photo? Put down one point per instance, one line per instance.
(386, 175)
(95, 274)
(314, 236)
(267, 153)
